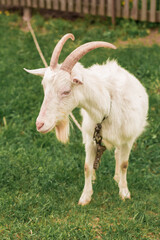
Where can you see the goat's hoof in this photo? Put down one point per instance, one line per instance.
(124, 194)
(84, 199)
(83, 203)
(116, 178)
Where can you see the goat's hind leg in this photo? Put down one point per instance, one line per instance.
(89, 174)
(124, 152)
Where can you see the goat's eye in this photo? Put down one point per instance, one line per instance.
(65, 93)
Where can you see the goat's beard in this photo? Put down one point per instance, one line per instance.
(62, 131)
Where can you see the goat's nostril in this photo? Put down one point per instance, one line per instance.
(39, 125)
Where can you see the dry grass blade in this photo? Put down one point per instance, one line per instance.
(5, 122)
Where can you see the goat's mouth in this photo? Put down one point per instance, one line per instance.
(46, 130)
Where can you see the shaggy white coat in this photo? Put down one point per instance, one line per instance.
(101, 90)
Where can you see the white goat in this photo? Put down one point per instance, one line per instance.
(101, 91)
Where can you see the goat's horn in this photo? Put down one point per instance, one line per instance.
(79, 52)
(58, 49)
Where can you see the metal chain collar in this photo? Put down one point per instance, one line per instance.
(98, 140)
(97, 137)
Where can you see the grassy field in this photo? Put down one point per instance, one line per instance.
(41, 179)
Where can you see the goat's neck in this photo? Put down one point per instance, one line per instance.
(95, 98)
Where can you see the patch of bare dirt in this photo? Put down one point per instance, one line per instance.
(152, 38)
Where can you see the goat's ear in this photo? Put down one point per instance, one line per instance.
(77, 79)
(38, 72)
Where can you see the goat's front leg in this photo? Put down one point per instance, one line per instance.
(89, 173)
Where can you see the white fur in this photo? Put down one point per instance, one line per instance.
(101, 90)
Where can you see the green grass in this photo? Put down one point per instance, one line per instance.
(41, 179)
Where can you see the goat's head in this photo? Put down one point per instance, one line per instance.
(59, 83)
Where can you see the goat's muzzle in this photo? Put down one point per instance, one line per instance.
(39, 125)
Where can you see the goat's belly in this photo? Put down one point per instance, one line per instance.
(116, 137)
(108, 145)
